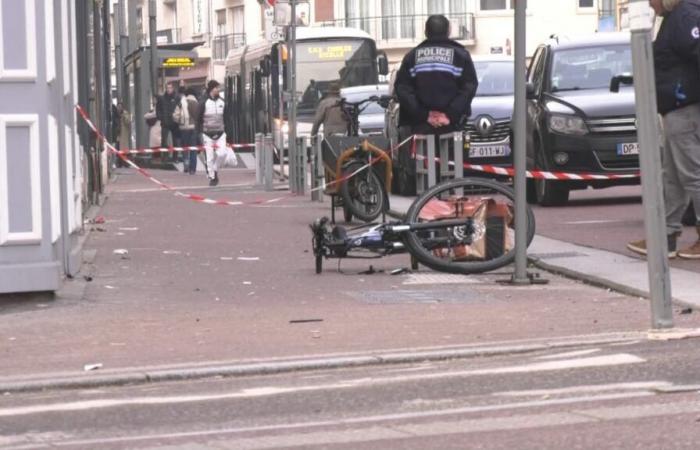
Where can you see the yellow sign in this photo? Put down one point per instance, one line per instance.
(331, 51)
(178, 62)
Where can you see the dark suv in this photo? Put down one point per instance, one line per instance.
(575, 123)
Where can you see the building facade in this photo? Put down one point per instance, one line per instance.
(43, 158)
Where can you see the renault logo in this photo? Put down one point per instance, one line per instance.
(484, 125)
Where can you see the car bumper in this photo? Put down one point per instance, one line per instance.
(591, 153)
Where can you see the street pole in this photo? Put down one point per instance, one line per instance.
(641, 24)
(154, 45)
(118, 58)
(293, 84)
(519, 149)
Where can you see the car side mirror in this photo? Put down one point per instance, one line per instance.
(615, 82)
(530, 91)
(383, 64)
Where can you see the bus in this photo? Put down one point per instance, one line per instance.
(256, 78)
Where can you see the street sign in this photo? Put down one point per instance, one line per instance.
(180, 61)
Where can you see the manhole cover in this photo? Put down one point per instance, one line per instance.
(436, 278)
(418, 296)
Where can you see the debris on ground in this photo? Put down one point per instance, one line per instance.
(686, 311)
(172, 252)
(226, 258)
(400, 271)
(128, 229)
(91, 367)
(98, 220)
(87, 278)
(248, 258)
(297, 321)
(121, 251)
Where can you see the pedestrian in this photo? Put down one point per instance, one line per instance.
(165, 110)
(211, 128)
(435, 86)
(188, 132)
(436, 82)
(330, 114)
(122, 130)
(678, 95)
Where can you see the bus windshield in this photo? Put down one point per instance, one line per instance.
(319, 62)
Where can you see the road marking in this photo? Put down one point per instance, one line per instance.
(248, 160)
(632, 386)
(358, 420)
(600, 361)
(569, 354)
(593, 222)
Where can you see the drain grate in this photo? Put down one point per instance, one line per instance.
(398, 297)
(436, 278)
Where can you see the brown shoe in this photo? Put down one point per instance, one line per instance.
(640, 247)
(692, 252)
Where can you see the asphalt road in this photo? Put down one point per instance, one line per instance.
(590, 397)
(606, 219)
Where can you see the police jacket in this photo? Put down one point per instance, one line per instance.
(438, 75)
(676, 58)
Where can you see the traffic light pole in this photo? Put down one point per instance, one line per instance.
(154, 45)
(641, 24)
(293, 86)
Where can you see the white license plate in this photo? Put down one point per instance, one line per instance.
(489, 151)
(628, 149)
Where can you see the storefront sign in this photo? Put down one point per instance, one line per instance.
(178, 62)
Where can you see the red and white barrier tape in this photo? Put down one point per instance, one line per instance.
(191, 148)
(165, 186)
(542, 174)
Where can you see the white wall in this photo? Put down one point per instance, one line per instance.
(544, 18)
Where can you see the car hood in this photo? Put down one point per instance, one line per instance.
(499, 107)
(596, 103)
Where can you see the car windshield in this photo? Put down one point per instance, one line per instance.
(371, 108)
(349, 61)
(495, 78)
(589, 68)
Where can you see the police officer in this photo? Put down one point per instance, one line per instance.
(436, 82)
(435, 87)
(676, 52)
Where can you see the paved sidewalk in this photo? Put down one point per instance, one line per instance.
(203, 283)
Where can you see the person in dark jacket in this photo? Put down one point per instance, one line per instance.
(436, 83)
(165, 107)
(677, 67)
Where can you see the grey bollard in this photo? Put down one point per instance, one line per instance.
(258, 159)
(268, 162)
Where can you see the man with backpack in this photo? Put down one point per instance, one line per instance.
(677, 65)
(188, 133)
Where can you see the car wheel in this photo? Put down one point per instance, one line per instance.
(548, 192)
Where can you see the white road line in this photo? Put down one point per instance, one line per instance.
(357, 420)
(600, 361)
(593, 222)
(569, 354)
(632, 386)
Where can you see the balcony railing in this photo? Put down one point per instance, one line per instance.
(221, 45)
(408, 28)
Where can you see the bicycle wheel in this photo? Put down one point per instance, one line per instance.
(363, 193)
(484, 243)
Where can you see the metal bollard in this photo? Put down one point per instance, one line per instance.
(268, 160)
(317, 169)
(258, 159)
(425, 163)
(302, 164)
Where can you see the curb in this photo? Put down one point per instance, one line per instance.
(137, 376)
(598, 281)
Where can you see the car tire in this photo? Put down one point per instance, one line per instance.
(548, 192)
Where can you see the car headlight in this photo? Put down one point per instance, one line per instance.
(567, 124)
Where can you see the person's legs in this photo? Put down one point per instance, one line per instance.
(164, 132)
(210, 155)
(220, 152)
(193, 154)
(676, 130)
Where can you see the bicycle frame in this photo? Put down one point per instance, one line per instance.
(376, 152)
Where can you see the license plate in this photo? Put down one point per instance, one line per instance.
(627, 149)
(489, 151)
